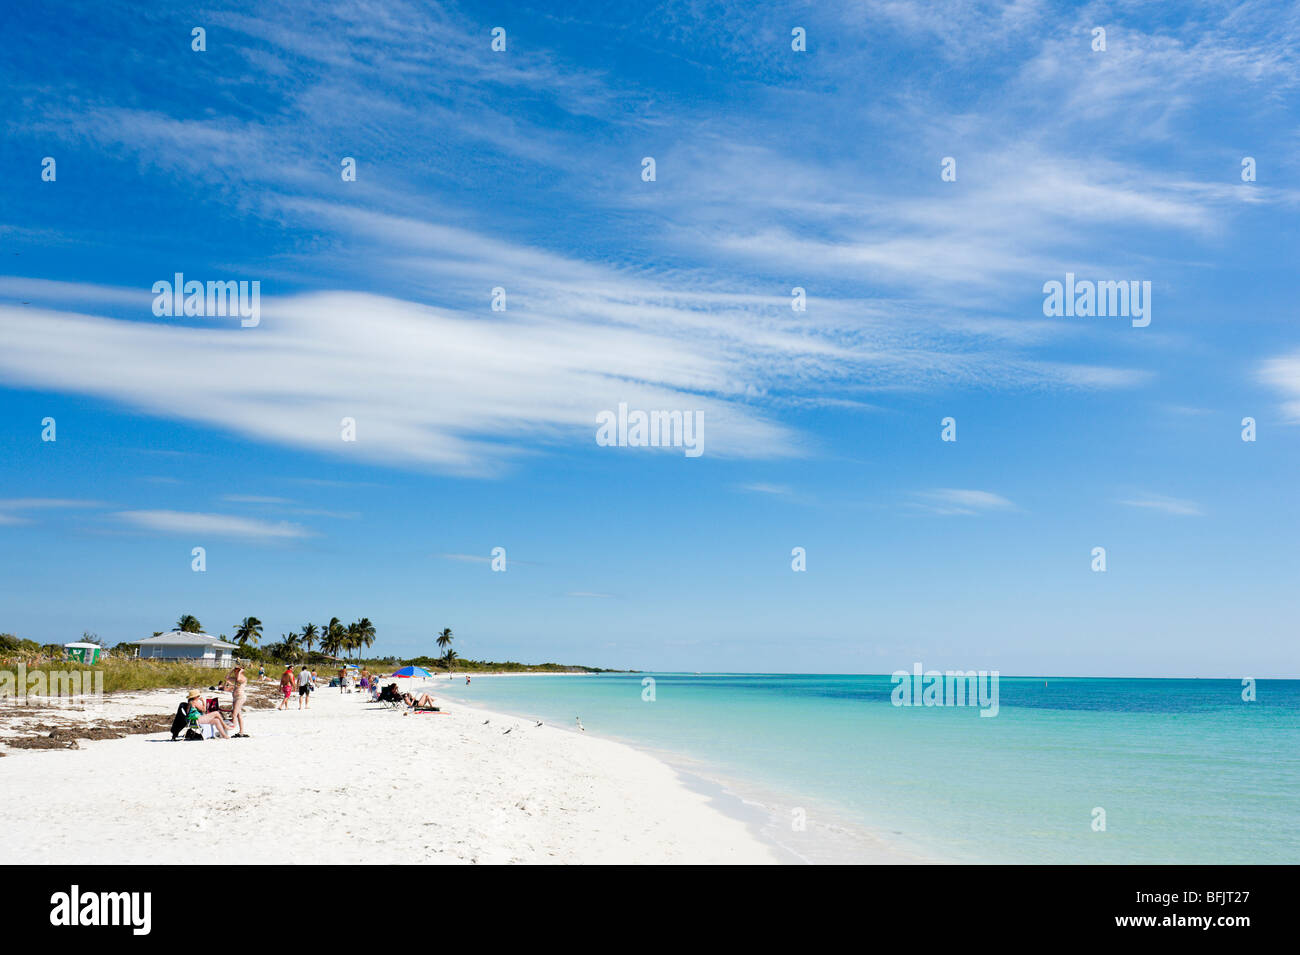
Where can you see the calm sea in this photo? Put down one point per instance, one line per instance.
(1184, 770)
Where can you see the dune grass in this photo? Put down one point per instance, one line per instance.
(126, 675)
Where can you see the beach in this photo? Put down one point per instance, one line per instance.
(349, 781)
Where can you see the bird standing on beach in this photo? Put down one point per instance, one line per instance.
(580, 726)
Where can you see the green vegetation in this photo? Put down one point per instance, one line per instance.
(16, 648)
(124, 671)
(121, 675)
(248, 630)
(462, 665)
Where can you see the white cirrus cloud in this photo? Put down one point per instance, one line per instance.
(8, 507)
(1168, 505)
(427, 387)
(961, 501)
(38, 503)
(759, 487)
(213, 525)
(1283, 375)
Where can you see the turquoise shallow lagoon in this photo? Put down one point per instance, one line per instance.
(1184, 769)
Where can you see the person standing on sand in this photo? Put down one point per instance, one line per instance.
(343, 679)
(237, 682)
(304, 687)
(286, 686)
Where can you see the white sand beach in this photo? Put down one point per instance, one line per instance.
(350, 781)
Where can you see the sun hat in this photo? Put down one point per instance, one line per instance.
(193, 694)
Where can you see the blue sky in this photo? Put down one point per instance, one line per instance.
(774, 169)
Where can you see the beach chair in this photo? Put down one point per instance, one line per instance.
(180, 721)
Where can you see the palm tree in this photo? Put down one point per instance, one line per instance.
(292, 645)
(366, 632)
(444, 641)
(450, 659)
(249, 629)
(332, 641)
(189, 624)
(309, 633)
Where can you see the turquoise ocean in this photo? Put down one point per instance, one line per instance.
(1184, 770)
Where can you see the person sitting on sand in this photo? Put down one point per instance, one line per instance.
(286, 686)
(425, 702)
(237, 683)
(198, 718)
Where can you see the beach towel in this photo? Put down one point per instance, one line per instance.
(180, 719)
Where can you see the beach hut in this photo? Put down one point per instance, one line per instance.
(199, 649)
(83, 652)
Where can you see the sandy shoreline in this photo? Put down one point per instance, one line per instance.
(359, 783)
(826, 838)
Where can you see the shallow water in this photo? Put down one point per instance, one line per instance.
(1185, 770)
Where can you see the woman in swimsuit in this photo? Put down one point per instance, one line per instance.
(237, 682)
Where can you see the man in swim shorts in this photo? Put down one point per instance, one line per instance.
(304, 688)
(286, 686)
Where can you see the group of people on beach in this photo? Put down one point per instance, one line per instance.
(304, 683)
(194, 714)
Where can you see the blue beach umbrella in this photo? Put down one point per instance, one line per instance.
(412, 671)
